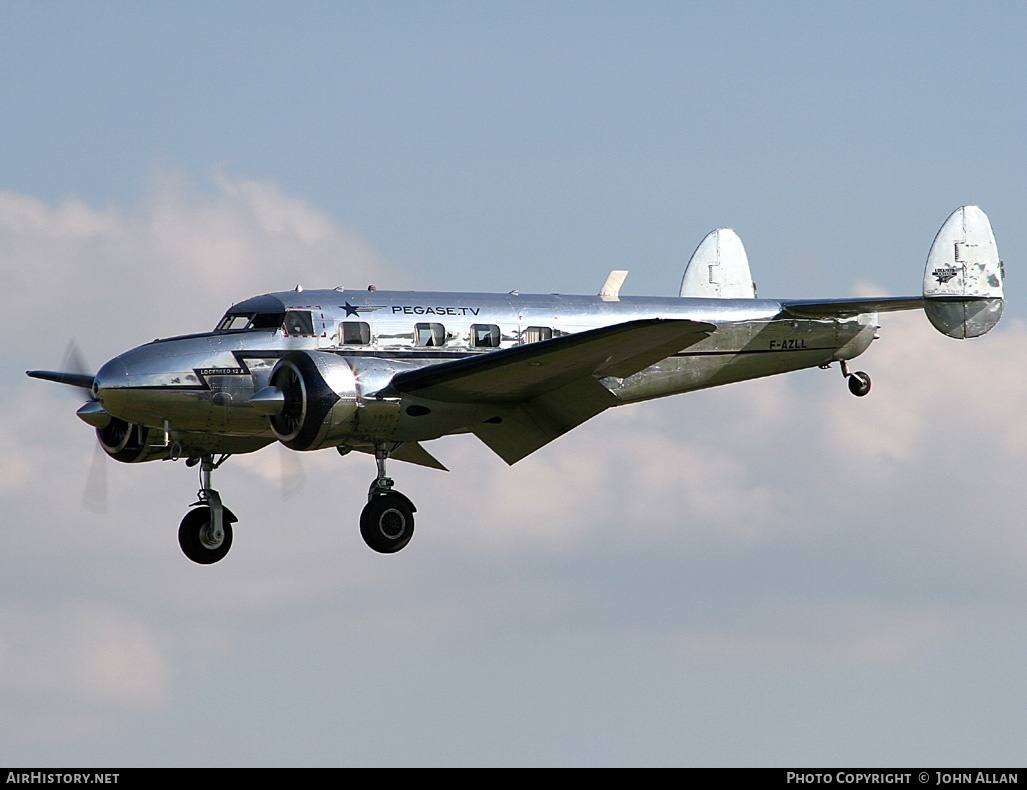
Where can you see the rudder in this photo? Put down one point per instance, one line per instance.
(718, 268)
(963, 277)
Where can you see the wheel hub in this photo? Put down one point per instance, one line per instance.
(210, 539)
(392, 524)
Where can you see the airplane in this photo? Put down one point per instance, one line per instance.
(383, 372)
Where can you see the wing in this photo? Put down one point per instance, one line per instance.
(542, 390)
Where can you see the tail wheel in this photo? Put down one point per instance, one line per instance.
(859, 383)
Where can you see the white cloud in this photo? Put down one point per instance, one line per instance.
(74, 666)
(117, 276)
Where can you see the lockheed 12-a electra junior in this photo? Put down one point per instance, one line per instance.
(383, 372)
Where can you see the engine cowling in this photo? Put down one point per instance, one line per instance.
(128, 442)
(326, 399)
(319, 403)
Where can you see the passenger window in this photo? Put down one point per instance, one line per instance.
(484, 336)
(533, 334)
(429, 334)
(298, 322)
(355, 333)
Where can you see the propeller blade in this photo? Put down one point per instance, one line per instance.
(73, 372)
(292, 474)
(94, 498)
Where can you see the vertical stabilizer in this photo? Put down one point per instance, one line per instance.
(963, 276)
(719, 268)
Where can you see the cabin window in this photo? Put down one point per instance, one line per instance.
(533, 334)
(355, 333)
(298, 322)
(484, 336)
(429, 335)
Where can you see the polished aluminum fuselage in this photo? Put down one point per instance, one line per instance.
(196, 388)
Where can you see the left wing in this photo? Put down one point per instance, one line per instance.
(545, 389)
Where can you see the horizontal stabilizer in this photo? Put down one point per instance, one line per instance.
(847, 308)
(963, 277)
(962, 283)
(719, 268)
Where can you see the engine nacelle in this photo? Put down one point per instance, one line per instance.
(129, 443)
(327, 399)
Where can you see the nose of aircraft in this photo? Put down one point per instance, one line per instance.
(109, 385)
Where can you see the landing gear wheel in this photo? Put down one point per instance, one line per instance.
(387, 522)
(859, 383)
(196, 538)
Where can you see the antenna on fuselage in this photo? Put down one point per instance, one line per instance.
(610, 292)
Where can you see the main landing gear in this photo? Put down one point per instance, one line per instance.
(387, 520)
(859, 382)
(205, 533)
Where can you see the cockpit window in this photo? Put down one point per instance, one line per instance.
(237, 322)
(267, 320)
(234, 323)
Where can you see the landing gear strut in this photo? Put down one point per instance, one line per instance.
(859, 382)
(387, 520)
(205, 533)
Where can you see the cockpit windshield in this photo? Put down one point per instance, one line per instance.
(238, 322)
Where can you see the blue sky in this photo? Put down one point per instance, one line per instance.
(773, 573)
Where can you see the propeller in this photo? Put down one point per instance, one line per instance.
(293, 477)
(75, 372)
(94, 496)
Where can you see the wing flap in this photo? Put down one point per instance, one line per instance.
(411, 453)
(529, 426)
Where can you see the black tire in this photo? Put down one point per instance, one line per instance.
(387, 523)
(195, 541)
(859, 383)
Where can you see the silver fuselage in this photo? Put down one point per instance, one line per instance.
(196, 389)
